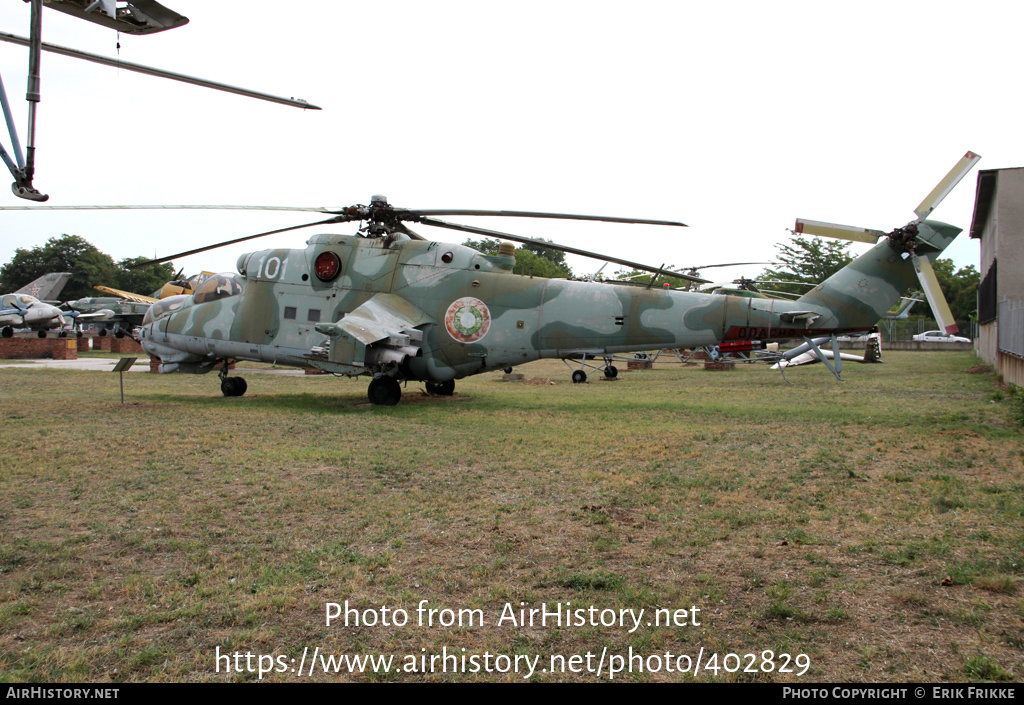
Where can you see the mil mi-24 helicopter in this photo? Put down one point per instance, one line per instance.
(390, 305)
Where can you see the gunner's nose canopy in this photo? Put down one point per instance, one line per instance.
(219, 286)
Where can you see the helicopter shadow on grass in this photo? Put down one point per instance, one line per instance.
(301, 402)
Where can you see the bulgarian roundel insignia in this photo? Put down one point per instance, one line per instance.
(467, 319)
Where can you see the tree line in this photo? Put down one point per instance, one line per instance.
(88, 266)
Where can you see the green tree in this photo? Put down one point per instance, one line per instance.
(531, 260)
(808, 261)
(142, 281)
(88, 266)
(68, 253)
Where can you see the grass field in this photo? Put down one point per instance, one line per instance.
(874, 527)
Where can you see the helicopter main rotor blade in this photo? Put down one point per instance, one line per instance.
(727, 264)
(943, 188)
(532, 214)
(160, 73)
(140, 265)
(561, 248)
(310, 209)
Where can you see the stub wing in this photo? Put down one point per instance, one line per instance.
(383, 316)
(378, 335)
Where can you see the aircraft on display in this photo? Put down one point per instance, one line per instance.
(24, 311)
(131, 17)
(388, 304)
(111, 313)
(30, 306)
(123, 311)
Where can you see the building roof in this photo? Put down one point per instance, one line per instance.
(983, 200)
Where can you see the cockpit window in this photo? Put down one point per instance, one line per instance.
(164, 307)
(219, 286)
(18, 300)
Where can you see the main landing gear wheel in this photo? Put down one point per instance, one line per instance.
(611, 371)
(579, 377)
(385, 391)
(233, 386)
(441, 389)
(7, 332)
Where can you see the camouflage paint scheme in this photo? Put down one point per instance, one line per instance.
(420, 310)
(109, 312)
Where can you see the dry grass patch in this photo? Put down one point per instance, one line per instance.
(816, 518)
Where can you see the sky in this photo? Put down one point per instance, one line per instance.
(735, 118)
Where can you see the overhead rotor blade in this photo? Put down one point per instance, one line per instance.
(140, 265)
(310, 209)
(943, 188)
(932, 290)
(841, 232)
(727, 264)
(562, 248)
(532, 214)
(160, 73)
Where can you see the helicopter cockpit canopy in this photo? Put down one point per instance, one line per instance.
(165, 307)
(219, 286)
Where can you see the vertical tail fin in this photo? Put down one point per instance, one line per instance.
(861, 293)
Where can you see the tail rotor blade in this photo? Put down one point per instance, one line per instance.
(841, 232)
(932, 290)
(943, 188)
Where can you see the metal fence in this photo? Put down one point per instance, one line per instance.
(906, 328)
(1011, 327)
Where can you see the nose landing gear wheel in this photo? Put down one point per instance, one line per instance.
(611, 371)
(385, 391)
(579, 377)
